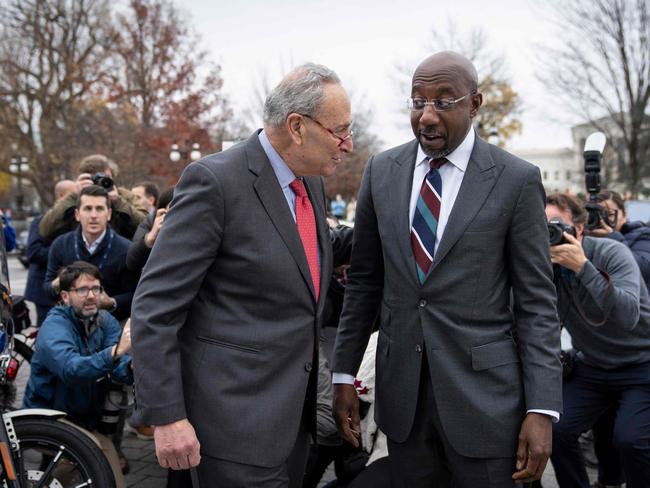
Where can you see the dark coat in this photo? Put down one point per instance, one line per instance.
(636, 235)
(37, 251)
(118, 282)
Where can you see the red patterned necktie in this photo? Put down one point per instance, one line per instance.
(425, 218)
(306, 223)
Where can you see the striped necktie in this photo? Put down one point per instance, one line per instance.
(425, 218)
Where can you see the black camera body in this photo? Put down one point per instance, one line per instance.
(103, 180)
(593, 154)
(556, 230)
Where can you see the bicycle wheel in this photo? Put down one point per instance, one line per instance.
(60, 454)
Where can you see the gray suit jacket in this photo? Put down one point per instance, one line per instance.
(490, 358)
(224, 318)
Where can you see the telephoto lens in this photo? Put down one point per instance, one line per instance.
(111, 409)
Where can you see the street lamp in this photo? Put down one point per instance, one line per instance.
(18, 166)
(187, 153)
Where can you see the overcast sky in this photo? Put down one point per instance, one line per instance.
(363, 40)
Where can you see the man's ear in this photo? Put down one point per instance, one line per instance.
(65, 297)
(110, 212)
(476, 101)
(76, 214)
(295, 127)
(580, 231)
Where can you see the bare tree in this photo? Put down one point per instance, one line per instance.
(601, 72)
(52, 54)
(165, 78)
(499, 115)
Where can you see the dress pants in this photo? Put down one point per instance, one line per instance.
(588, 394)
(427, 460)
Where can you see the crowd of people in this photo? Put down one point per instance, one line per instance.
(213, 299)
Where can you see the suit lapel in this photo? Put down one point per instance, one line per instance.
(401, 179)
(479, 179)
(272, 198)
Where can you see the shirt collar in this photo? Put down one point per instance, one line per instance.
(93, 247)
(282, 171)
(459, 157)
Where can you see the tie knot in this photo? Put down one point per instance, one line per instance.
(298, 187)
(435, 163)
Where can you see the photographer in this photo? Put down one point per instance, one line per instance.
(97, 169)
(79, 347)
(613, 224)
(604, 304)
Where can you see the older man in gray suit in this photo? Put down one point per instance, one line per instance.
(448, 228)
(226, 314)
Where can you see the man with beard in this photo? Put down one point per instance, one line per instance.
(448, 228)
(77, 348)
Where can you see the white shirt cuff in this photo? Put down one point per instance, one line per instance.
(550, 413)
(342, 378)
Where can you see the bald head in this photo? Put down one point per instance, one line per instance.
(63, 188)
(451, 63)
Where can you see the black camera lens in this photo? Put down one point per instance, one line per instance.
(103, 180)
(556, 230)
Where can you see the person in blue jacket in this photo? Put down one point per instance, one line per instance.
(79, 349)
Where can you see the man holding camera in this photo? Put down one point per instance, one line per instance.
(97, 169)
(77, 350)
(603, 302)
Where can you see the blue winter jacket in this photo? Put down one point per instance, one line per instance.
(636, 235)
(70, 371)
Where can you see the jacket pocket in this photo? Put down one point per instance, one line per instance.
(229, 345)
(494, 354)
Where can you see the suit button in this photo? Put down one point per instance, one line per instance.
(423, 303)
(307, 367)
(418, 348)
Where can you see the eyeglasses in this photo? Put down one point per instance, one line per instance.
(437, 104)
(84, 290)
(347, 133)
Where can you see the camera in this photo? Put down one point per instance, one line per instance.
(593, 154)
(556, 230)
(103, 180)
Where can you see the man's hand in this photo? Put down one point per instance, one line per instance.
(83, 180)
(345, 408)
(113, 194)
(603, 230)
(106, 302)
(151, 236)
(570, 255)
(176, 445)
(124, 345)
(534, 449)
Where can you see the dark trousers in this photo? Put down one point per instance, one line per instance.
(427, 460)
(588, 394)
(610, 465)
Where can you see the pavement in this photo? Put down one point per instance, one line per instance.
(145, 471)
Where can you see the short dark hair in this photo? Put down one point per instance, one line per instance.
(72, 272)
(564, 202)
(150, 189)
(615, 197)
(165, 198)
(93, 191)
(97, 163)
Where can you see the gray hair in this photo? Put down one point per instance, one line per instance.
(301, 91)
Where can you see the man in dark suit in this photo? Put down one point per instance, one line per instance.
(230, 301)
(448, 228)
